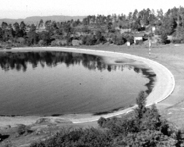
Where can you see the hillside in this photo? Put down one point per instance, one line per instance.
(35, 19)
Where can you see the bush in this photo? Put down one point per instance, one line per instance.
(139, 42)
(148, 138)
(89, 40)
(130, 39)
(78, 138)
(23, 129)
(164, 38)
(177, 41)
(101, 122)
(119, 40)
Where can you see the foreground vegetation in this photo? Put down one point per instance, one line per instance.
(113, 29)
(143, 127)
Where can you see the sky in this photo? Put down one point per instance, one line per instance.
(25, 8)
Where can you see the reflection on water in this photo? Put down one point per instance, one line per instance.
(45, 83)
(19, 61)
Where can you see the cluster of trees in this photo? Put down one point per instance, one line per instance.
(116, 29)
(143, 127)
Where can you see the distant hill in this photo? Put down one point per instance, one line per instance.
(36, 19)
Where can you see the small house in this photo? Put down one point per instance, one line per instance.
(138, 37)
(122, 31)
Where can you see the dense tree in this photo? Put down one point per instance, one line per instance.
(17, 30)
(141, 103)
(118, 39)
(22, 29)
(99, 37)
(41, 23)
(48, 25)
(164, 38)
(168, 26)
(32, 36)
(148, 138)
(160, 14)
(99, 29)
(78, 138)
(4, 25)
(180, 34)
(1, 34)
(45, 37)
(135, 15)
(8, 34)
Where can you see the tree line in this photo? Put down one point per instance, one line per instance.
(100, 29)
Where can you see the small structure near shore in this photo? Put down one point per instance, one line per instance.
(138, 37)
(128, 43)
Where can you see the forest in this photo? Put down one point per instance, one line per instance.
(157, 26)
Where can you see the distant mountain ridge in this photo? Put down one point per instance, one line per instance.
(36, 19)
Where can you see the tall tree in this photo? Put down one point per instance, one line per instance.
(32, 36)
(168, 25)
(41, 23)
(135, 15)
(22, 29)
(16, 29)
(4, 25)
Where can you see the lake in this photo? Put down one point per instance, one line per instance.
(58, 83)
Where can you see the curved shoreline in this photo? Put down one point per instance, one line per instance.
(164, 85)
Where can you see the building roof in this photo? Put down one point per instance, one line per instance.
(140, 34)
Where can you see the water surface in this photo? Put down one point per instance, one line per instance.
(47, 83)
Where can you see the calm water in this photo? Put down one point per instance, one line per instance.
(47, 83)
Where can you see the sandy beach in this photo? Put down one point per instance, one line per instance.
(164, 86)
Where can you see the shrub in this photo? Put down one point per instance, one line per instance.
(139, 42)
(23, 129)
(164, 38)
(78, 138)
(148, 138)
(101, 122)
(177, 41)
(130, 39)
